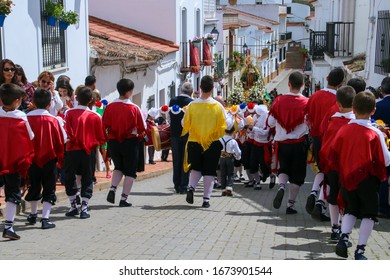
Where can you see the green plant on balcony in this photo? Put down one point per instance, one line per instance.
(304, 52)
(70, 17)
(53, 9)
(236, 61)
(6, 7)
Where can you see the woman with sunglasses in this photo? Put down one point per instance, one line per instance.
(7, 74)
(46, 80)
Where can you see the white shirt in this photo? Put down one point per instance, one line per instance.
(230, 146)
(260, 130)
(55, 104)
(281, 134)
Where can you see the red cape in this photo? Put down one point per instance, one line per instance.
(356, 153)
(48, 140)
(317, 109)
(289, 111)
(16, 148)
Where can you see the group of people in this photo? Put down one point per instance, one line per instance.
(49, 132)
(208, 139)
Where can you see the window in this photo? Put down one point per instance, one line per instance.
(53, 42)
(150, 102)
(382, 50)
(289, 10)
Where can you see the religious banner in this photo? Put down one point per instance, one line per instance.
(207, 57)
(194, 59)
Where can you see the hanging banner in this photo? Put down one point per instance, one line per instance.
(207, 57)
(194, 59)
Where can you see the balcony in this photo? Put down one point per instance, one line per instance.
(185, 57)
(336, 41)
(285, 36)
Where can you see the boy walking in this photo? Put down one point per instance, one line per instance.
(16, 151)
(205, 121)
(287, 115)
(49, 149)
(125, 127)
(344, 99)
(85, 133)
(230, 151)
(360, 154)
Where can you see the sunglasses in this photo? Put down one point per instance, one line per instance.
(9, 69)
(45, 82)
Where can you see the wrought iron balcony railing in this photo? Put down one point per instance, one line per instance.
(336, 41)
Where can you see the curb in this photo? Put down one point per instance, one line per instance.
(61, 195)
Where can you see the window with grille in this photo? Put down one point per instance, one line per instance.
(53, 42)
(382, 50)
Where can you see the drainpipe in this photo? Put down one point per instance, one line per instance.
(370, 37)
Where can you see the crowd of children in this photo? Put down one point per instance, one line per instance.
(267, 141)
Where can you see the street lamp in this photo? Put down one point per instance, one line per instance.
(245, 48)
(215, 32)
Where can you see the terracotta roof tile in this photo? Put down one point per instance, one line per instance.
(251, 16)
(123, 34)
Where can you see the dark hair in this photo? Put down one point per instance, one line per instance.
(336, 77)
(62, 79)
(296, 80)
(90, 80)
(345, 95)
(20, 72)
(357, 84)
(10, 92)
(41, 98)
(66, 86)
(385, 85)
(2, 64)
(207, 83)
(364, 102)
(84, 96)
(124, 86)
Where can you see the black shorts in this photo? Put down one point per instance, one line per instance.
(292, 161)
(204, 161)
(364, 201)
(125, 155)
(12, 184)
(332, 179)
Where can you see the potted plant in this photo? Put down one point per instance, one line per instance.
(68, 18)
(210, 39)
(197, 41)
(386, 65)
(53, 12)
(5, 9)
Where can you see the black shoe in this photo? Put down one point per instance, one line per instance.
(152, 162)
(250, 184)
(229, 193)
(32, 219)
(72, 213)
(272, 181)
(291, 210)
(206, 204)
(10, 234)
(84, 215)
(224, 193)
(124, 203)
(360, 256)
(310, 203)
(341, 249)
(257, 186)
(278, 199)
(111, 196)
(317, 214)
(46, 224)
(336, 232)
(190, 196)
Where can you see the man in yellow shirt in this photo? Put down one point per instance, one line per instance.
(205, 121)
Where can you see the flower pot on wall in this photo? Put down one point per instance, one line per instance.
(2, 18)
(197, 44)
(51, 21)
(63, 25)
